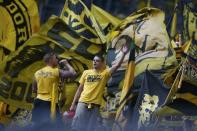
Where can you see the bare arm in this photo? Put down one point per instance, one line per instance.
(34, 86)
(77, 96)
(70, 72)
(117, 65)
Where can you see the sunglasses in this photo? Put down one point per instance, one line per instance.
(97, 60)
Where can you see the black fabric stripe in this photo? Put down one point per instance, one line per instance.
(188, 88)
(186, 107)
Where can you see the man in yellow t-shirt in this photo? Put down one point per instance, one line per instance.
(90, 92)
(46, 80)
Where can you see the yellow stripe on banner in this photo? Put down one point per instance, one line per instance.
(174, 22)
(3, 107)
(188, 97)
(129, 77)
(186, 46)
(174, 87)
(153, 63)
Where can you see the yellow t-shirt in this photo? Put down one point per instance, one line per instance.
(94, 85)
(46, 78)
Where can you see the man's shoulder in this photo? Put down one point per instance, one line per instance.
(88, 71)
(38, 71)
(49, 68)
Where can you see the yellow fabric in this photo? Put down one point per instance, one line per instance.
(189, 23)
(3, 107)
(188, 97)
(1, 54)
(153, 49)
(174, 22)
(128, 81)
(46, 78)
(94, 85)
(19, 19)
(186, 46)
(94, 29)
(98, 25)
(53, 102)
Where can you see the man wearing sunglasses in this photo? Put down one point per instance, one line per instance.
(90, 92)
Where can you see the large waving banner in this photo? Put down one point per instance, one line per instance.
(91, 24)
(146, 29)
(19, 19)
(17, 70)
(190, 19)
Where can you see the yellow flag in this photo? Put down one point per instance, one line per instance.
(19, 19)
(92, 25)
(190, 19)
(173, 30)
(145, 28)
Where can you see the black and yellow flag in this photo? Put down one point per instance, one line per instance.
(182, 98)
(129, 77)
(90, 23)
(19, 20)
(151, 97)
(152, 49)
(173, 29)
(190, 20)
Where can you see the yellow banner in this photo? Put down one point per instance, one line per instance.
(92, 25)
(19, 19)
(190, 20)
(153, 50)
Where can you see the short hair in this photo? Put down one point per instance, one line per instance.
(48, 56)
(101, 57)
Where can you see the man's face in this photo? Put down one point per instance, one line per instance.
(54, 61)
(97, 63)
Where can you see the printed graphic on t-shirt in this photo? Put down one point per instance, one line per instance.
(45, 74)
(93, 78)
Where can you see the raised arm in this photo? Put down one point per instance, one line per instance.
(117, 65)
(70, 72)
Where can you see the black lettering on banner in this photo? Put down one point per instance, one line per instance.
(139, 26)
(23, 34)
(26, 57)
(18, 90)
(76, 8)
(17, 13)
(81, 48)
(54, 33)
(18, 18)
(73, 21)
(108, 28)
(5, 86)
(29, 97)
(12, 7)
(83, 30)
(84, 45)
(144, 43)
